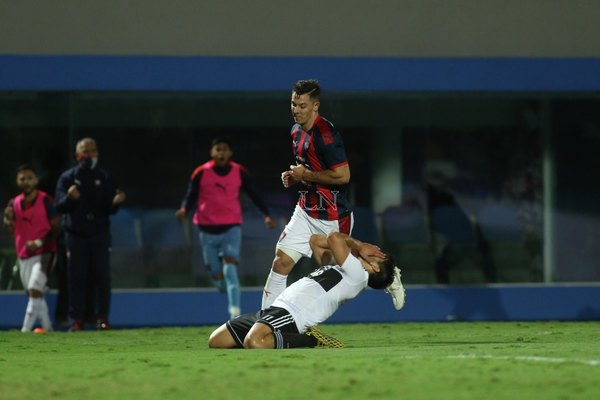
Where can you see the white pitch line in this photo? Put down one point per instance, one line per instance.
(593, 363)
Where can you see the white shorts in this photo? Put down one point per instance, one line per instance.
(33, 271)
(294, 240)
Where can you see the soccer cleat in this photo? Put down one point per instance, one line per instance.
(324, 340)
(103, 325)
(39, 330)
(396, 290)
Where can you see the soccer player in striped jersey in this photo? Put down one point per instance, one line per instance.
(323, 172)
(348, 267)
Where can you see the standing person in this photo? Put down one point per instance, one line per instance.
(87, 195)
(35, 223)
(454, 234)
(214, 191)
(323, 207)
(348, 267)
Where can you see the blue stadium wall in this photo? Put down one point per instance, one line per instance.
(195, 307)
(222, 74)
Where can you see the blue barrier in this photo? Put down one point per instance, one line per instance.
(264, 74)
(194, 307)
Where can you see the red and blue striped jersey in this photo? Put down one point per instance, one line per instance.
(319, 149)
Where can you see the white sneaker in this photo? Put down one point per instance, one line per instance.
(396, 290)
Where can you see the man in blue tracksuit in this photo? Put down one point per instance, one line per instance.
(87, 195)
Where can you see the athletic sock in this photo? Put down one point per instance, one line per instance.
(288, 340)
(30, 315)
(276, 283)
(43, 315)
(233, 289)
(219, 284)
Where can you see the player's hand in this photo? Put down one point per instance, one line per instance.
(33, 245)
(368, 250)
(73, 193)
(119, 198)
(180, 214)
(270, 223)
(297, 172)
(287, 179)
(9, 213)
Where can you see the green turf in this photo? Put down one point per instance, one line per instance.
(544, 360)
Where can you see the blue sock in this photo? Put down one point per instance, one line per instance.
(233, 288)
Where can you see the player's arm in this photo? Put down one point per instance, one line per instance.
(66, 194)
(320, 250)
(341, 245)
(113, 196)
(191, 195)
(336, 176)
(53, 219)
(55, 229)
(9, 217)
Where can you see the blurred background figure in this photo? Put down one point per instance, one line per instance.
(214, 192)
(35, 223)
(87, 195)
(455, 235)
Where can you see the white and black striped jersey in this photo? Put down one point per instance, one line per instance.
(314, 298)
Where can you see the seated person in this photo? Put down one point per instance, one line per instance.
(348, 267)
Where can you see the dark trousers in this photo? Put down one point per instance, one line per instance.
(89, 261)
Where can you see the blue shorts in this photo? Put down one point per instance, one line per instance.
(217, 246)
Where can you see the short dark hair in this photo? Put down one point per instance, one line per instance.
(385, 276)
(312, 87)
(26, 167)
(219, 140)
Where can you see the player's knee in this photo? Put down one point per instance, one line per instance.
(229, 260)
(35, 293)
(282, 264)
(252, 342)
(215, 342)
(218, 276)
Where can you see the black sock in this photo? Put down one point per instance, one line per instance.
(288, 340)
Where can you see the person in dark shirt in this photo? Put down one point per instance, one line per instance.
(213, 191)
(323, 171)
(86, 196)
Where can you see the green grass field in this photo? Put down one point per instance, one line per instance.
(526, 360)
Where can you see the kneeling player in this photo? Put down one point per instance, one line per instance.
(349, 266)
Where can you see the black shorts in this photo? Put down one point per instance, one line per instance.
(278, 319)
